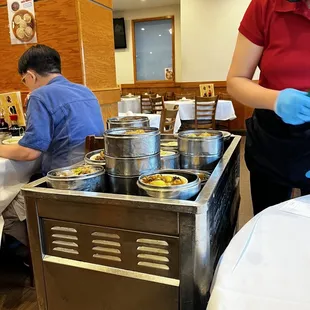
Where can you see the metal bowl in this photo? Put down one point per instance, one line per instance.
(120, 145)
(92, 182)
(170, 161)
(213, 145)
(123, 185)
(184, 192)
(128, 121)
(88, 158)
(132, 166)
(199, 162)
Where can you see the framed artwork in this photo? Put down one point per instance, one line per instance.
(206, 90)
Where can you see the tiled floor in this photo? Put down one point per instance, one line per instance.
(15, 293)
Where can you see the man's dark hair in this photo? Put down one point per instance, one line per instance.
(40, 58)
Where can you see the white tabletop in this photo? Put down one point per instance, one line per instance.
(224, 111)
(266, 265)
(129, 104)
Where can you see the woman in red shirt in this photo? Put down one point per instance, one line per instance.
(274, 35)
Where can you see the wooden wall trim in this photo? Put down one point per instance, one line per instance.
(158, 84)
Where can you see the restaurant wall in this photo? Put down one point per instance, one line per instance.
(208, 35)
(124, 57)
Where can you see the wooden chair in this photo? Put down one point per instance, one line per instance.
(169, 96)
(205, 108)
(93, 143)
(157, 104)
(167, 120)
(145, 104)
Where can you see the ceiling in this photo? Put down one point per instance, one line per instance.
(121, 5)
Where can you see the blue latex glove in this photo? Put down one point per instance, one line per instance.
(293, 106)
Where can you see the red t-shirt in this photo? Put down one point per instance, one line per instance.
(283, 29)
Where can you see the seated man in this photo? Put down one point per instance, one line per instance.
(60, 114)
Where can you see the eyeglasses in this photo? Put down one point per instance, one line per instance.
(23, 80)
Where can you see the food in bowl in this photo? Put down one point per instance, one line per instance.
(166, 153)
(131, 118)
(164, 180)
(135, 132)
(82, 170)
(200, 135)
(170, 144)
(98, 156)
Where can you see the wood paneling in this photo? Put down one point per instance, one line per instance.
(242, 112)
(97, 40)
(56, 27)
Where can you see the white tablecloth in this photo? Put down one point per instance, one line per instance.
(13, 175)
(225, 110)
(267, 264)
(129, 104)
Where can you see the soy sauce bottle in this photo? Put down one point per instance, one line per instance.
(4, 126)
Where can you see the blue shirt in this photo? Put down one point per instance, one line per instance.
(59, 117)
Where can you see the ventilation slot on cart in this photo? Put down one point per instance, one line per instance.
(105, 249)
(64, 240)
(153, 253)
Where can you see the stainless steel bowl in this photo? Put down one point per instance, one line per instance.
(132, 166)
(128, 121)
(93, 182)
(184, 192)
(170, 161)
(199, 162)
(90, 161)
(213, 145)
(122, 185)
(120, 145)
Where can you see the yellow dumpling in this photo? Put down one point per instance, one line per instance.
(158, 183)
(27, 18)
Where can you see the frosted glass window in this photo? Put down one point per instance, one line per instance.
(154, 50)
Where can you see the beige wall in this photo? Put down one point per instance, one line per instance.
(124, 58)
(208, 34)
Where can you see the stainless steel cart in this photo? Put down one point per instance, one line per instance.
(107, 251)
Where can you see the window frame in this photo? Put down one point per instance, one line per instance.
(133, 22)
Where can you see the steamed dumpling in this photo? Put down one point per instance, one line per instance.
(27, 18)
(22, 24)
(20, 33)
(17, 19)
(29, 31)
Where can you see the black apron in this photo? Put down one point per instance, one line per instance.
(278, 150)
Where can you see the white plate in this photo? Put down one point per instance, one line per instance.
(10, 141)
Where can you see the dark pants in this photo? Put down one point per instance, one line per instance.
(267, 192)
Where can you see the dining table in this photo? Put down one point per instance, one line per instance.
(224, 111)
(13, 176)
(266, 265)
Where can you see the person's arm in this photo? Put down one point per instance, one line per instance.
(18, 152)
(239, 80)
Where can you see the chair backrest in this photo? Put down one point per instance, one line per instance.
(93, 143)
(157, 104)
(187, 96)
(167, 119)
(145, 103)
(224, 96)
(169, 96)
(205, 108)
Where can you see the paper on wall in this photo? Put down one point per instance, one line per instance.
(22, 22)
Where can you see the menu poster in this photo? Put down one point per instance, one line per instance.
(206, 90)
(22, 21)
(11, 103)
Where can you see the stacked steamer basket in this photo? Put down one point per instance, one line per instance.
(200, 149)
(129, 153)
(128, 121)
